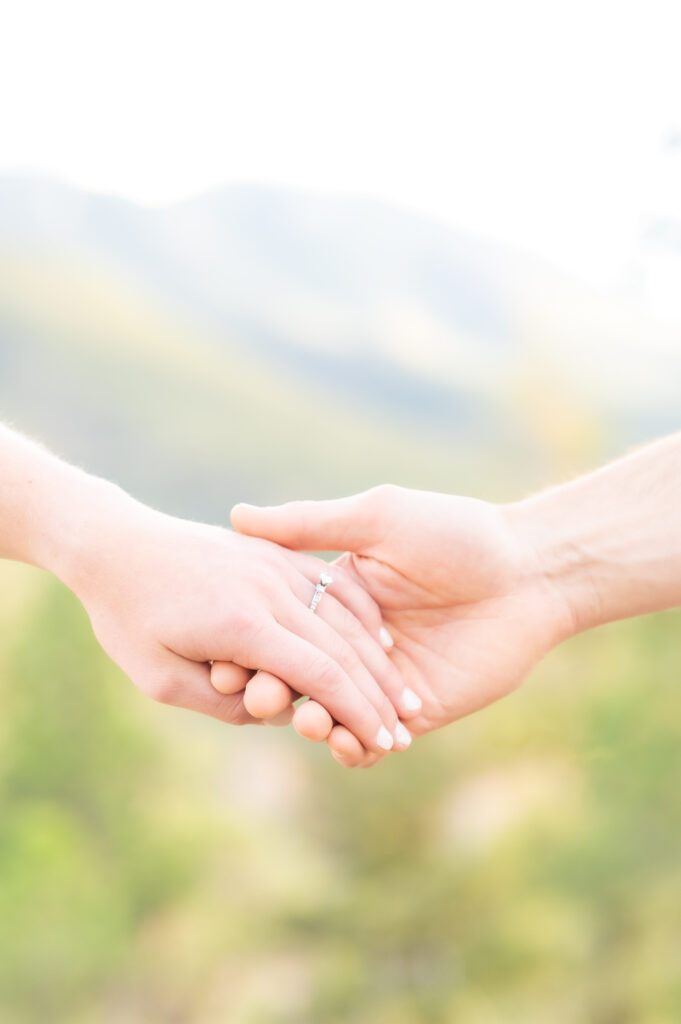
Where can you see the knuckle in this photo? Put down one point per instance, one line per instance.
(348, 658)
(383, 495)
(237, 623)
(329, 677)
(299, 512)
(244, 623)
(231, 710)
(229, 617)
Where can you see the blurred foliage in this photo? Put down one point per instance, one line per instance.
(522, 866)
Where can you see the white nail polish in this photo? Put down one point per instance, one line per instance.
(411, 700)
(384, 740)
(386, 638)
(402, 735)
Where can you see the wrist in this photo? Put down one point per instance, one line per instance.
(78, 517)
(558, 562)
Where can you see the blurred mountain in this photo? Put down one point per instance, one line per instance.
(329, 285)
(303, 341)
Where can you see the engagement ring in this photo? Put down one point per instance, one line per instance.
(325, 580)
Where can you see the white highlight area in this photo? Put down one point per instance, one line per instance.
(538, 125)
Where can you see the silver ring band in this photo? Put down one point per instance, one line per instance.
(325, 580)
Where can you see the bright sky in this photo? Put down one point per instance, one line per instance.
(541, 124)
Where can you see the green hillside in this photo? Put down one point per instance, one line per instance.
(185, 418)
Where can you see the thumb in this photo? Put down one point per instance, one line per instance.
(343, 524)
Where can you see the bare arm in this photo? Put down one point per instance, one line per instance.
(611, 541)
(475, 594)
(166, 597)
(40, 511)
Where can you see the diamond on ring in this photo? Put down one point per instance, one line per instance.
(325, 580)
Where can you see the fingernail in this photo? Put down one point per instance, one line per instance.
(411, 700)
(402, 735)
(384, 740)
(386, 638)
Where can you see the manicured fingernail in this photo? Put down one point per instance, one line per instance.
(384, 740)
(386, 638)
(402, 735)
(411, 700)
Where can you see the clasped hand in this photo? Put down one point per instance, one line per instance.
(468, 594)
(454, 580)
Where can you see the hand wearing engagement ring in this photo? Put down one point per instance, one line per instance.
(349, 625)
(166, 597)
(271, 700)
(467, 626)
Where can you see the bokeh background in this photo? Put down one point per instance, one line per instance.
(298, 251)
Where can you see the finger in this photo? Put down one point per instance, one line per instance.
(372, 655)
(348, 751)
(267, 696)
(337, 525)
(350, 591)
(312, 721)
(317, 631)
(308, 668)
(381, 679)
(187, 684)
(227, 677)
(275, 704)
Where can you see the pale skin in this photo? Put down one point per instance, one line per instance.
(167, 597)
(474, 594)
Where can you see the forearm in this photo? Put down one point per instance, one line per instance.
(46, 505)
(165, 597)
(611, 541)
